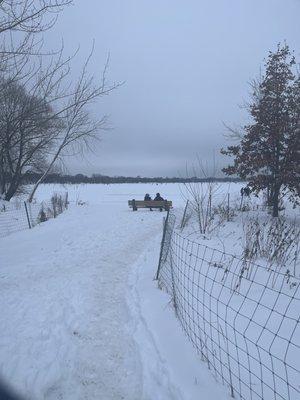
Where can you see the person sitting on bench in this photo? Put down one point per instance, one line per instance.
(148, 198)
(158, 198)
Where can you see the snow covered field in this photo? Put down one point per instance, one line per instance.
(81, 316)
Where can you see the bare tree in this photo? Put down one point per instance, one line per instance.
(27, 130)
(39, 128)
(201, 195)
(29, 15)
(44, 114)
(77, 130)
(21, 25)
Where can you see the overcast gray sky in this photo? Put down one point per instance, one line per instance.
(186, 67)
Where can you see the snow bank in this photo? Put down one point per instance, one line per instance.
(171, 367)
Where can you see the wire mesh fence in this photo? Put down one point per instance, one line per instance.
(23, 215)
(241, 317)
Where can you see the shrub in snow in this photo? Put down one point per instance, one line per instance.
(277, 241)
(59, 204)
(42, 216)
(224, 213)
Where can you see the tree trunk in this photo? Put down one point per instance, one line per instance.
(10, 193)
(40, 180)
(270, 194)
(12, 188)
(44, 175)
(276, 201)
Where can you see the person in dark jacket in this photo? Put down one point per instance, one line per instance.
(148, 198)
(158, 198)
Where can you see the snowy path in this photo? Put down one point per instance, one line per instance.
(64, 317)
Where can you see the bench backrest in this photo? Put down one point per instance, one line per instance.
(150, 203)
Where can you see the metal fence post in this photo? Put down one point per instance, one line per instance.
(162, 245)
(184, 214)
(228, 206)
(27, 215)
(242, 202)
(66, 200)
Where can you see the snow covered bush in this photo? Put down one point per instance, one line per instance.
(59, 203)
(42, 216)
(223, 213)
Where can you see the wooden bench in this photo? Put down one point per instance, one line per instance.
(135, 204)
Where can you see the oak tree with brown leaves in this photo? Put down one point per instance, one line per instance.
(268, 154)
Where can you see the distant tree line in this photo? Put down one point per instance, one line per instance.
(32, 178)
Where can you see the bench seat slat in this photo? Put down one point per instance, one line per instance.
(150, 203)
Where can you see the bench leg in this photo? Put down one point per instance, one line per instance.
(134, 207)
